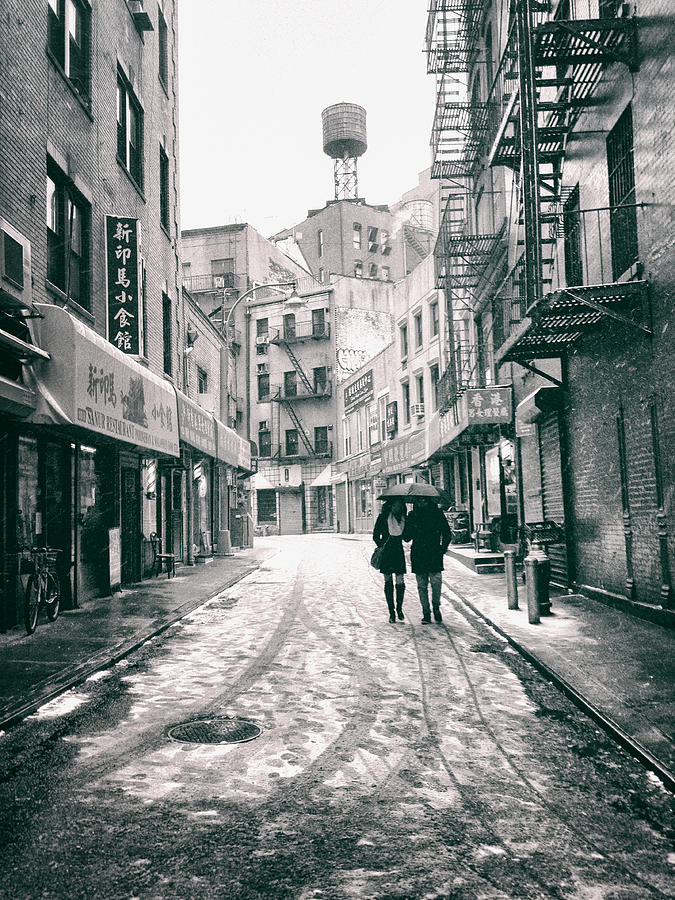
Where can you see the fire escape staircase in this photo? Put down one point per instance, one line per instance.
(286, 402)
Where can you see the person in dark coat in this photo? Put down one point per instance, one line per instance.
(429, 532)
(388, 534)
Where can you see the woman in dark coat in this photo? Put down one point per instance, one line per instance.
(429, 531)
(388, 534)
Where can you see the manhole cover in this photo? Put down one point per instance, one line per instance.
(216, 730)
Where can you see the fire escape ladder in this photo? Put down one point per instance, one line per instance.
(288, 406)
(298, 368)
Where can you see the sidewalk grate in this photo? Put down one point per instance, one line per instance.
(216, 730)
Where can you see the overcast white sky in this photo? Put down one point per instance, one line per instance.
(254, 77)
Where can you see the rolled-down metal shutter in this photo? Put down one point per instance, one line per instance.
(552, 491)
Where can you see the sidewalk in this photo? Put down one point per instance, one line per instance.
(34, 668)
(619, 669)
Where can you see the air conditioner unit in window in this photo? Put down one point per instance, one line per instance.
(262, 339)
(417, 410)
(263, 368)
(16, 290)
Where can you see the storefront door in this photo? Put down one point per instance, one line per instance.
(131, 518)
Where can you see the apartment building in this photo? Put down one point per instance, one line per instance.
(555, 255)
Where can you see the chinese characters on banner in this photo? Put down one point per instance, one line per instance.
(123, 283)
(489, 406)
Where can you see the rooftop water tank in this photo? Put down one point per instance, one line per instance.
(344, 130)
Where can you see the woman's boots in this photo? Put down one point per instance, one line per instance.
(400, 591)
(389, 595)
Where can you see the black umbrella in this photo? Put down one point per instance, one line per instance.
(411, 490)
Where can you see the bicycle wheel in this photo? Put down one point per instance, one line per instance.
(53, 598)
(31, 603)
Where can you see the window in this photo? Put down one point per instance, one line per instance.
(403, 332)
(202, 381)
(405, 389)
(433, 315)
(420, 388)
(263, 387)
(384, 242)
(372, 240)
(574, 270)
(360, 431)
(356, 236)
(264, 440)
(163, 188)
(290, 384)
(262, 327)
(382, 411)
(419, 338)
(319, 322)
(346, 431)
(319, 243)
(267, 505)
(129, 130)
(385, 273)
(291, 442)
(435, 376)
(320, 379)
(623, 214)
(167, 333)
(372, 270)
(68, 232)
(358, 269)
(289, 326)
(68, 40)
(162, 41)
(321, 439)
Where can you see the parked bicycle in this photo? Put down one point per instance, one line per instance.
(43, 587)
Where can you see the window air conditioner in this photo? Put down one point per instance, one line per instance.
(15, 268)
(417, 410)
(262, 339)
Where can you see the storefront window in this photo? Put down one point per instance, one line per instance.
(201, 493)
(95, 512)
(28, 518)
(149, 497)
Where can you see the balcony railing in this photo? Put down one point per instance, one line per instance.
(320, 449)
(460, 375)
(301, 331)
(282, 393)
(452, 28)
(196, 284)
(594, 275)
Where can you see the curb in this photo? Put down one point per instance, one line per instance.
(615, 731)
(11, 715)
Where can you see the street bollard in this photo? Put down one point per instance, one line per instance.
(531, 564)
(511, 580)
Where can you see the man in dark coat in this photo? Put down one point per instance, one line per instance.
(429, 531)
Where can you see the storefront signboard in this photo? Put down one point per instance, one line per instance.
(196, 426)
(232, 448)
(391, 419)
(400, 455)
(489, 406)
(122, 259)
(89, 383)
(359, 391)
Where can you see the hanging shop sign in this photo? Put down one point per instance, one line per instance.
(122, 260)
(400, 455)
(89, 383)
(488, 406)
(359, 391)
(391, 419)
(231, 448)
(196, 426)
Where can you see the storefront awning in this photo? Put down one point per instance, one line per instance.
(231, 448)
(544, 399)
(323, 479)
(196, 426)
(89, 383)
(260, 483)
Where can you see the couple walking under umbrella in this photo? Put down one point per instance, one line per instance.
(428, 529)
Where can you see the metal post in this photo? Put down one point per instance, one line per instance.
(531, 577)
(529, 154)
(511, 581)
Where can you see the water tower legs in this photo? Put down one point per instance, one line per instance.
(346, 179)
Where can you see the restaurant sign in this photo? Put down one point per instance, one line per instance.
(122, 260)
(196, 425)
(391, 419)
(359, 391)
(489, 406)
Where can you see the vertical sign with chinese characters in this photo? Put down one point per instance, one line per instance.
(123, 283)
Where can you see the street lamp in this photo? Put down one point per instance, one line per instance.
(292, 302)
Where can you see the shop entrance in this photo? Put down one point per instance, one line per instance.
(131, 518)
